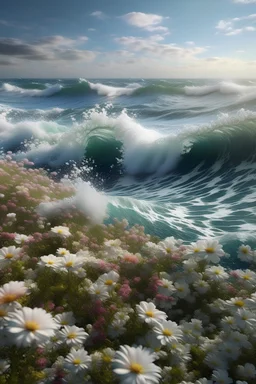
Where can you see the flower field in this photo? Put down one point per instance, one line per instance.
(84, 302)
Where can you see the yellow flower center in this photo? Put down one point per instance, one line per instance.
(136, 368)
(50, 262)
(63, 253)
(3, 313)
(109, 282)
(69, 264)
(246, 277)
(180, 289)
(167, 332)
(97, 292)
(245, 250)
(59, 231)
(239, 303)
(9, 255)
(209, 250)
(168, 250)
(196, 250)
(72, 336)
(217, 272)
(149, 313)
(64, 322)
(106, 359)
(31, 326)
(8, 298)
(76, 361)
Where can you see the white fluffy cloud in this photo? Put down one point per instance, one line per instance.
(98, 14)
(153, 46)
(236, 25)
(147, 21)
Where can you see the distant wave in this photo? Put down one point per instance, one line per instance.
(84, 88)
(49, 91)
(110, 91)
(222, 87)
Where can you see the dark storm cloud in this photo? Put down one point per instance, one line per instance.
(48, 48)
(6, 62)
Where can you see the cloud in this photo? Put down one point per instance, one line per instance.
(91, 29)
(245, 1)
(229, 27)
(46, 48)
(6, 62)
(11, 24)
(147, 21)
(98, 14)
(153, 46)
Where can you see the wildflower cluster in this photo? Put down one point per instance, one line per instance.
(99, 304)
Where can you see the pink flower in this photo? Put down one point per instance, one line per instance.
(125, 291)
(131, 258)
(41, 362)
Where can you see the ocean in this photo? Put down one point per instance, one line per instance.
(177, 156)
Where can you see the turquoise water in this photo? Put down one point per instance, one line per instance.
(177, 156)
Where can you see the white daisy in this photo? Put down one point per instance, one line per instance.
(27, 326)
(62, 252)
(98, 290)
(216, 273)
(72, 335)
(182, 289)
(12, 291)
(77, 360)
(212, 250)
(167, 246)
(248, 371)
(108, 355)
(8, 254)
(167, 332)
(21, 239)
(149, 313)
(135, 366)
(248, 277)
(245, 319)
(116, 328)
(220, 376)
(201, 286)
(62, 231)
(70, 262)
(245, 253)
(65, 318)
(109, 279)
(195, 249)
(49, 261)
(166, 287)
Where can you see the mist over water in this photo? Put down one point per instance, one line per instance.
(177, 156)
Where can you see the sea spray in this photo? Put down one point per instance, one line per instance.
(86, 199)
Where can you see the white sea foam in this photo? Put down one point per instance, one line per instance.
(50, 90)
(222, 87)
(110, 91)
(86, 199)
(14, 134)
(144, 151)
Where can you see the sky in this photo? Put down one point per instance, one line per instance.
(128, 39)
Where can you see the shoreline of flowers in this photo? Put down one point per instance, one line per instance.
(103, 304)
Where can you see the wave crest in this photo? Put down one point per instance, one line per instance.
(49, 91)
